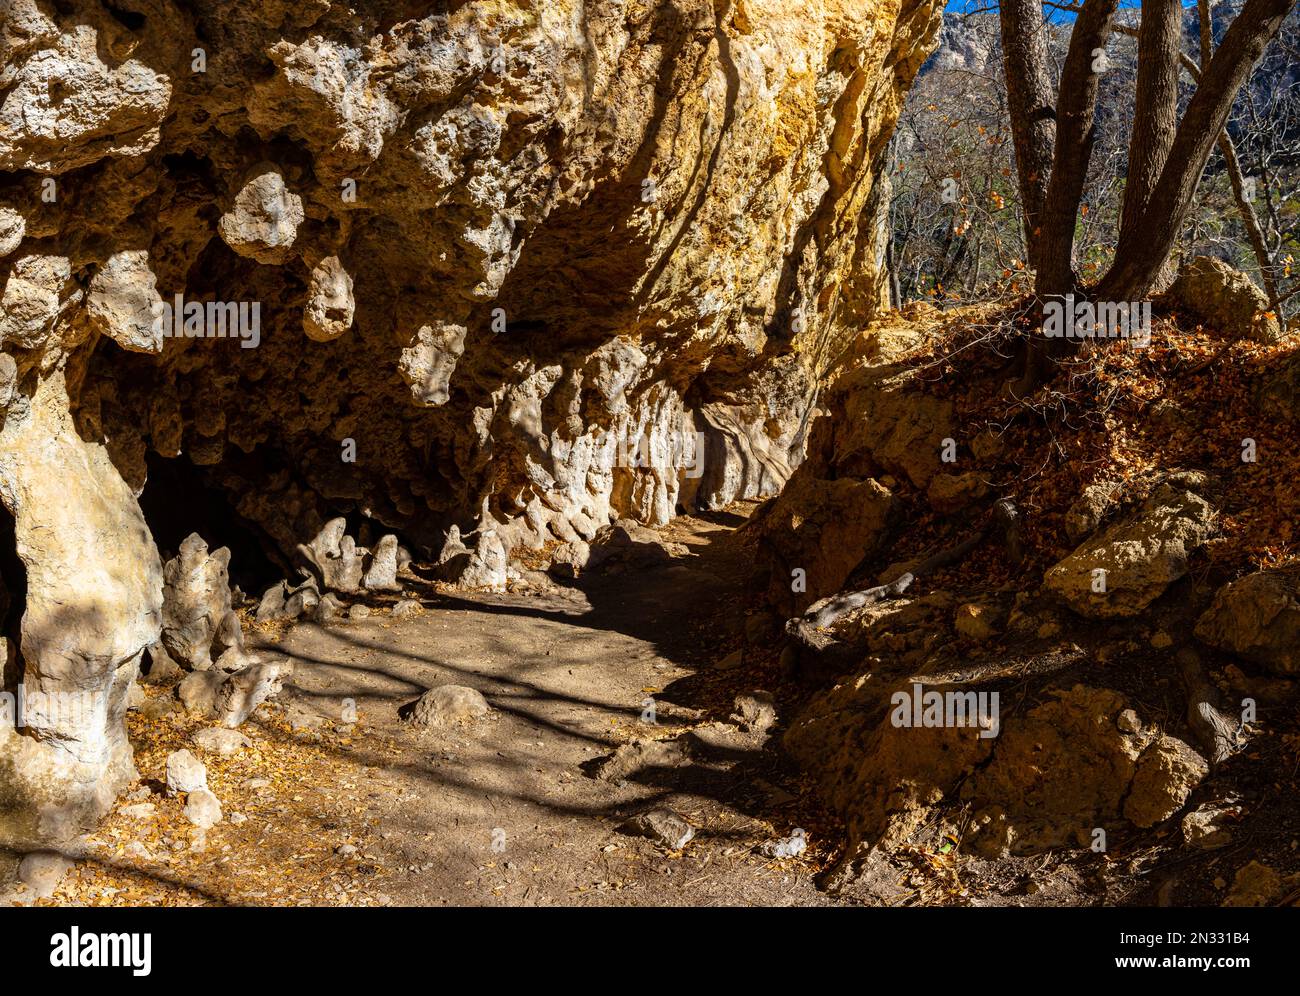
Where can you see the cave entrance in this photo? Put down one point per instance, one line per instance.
(13, 600)
(179, 499)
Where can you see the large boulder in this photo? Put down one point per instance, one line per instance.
(1258, 619)
(1120, 571)
(1225, 298)
(817, 532)
(1035, 780)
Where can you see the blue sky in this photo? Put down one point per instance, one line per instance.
(958, 5)
(1057, 15)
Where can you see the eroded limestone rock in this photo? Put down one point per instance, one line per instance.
(43, 871)
(8, 380)
(262, 224)
(185, 772)
(221, 741)
(196, 604)
(950, 493)
(335, 558)
(755, 712)
(1255, 884)
(202, 809)
(523, 307)
(1168, 771)
(1257, 618)
(1122, 570)
(487, 566)
(93, 604)
(430, 360)
(330, 305)
(523, 303)
(447, 705)
(1226, 298)
(66, 108)
(33, 300)
(12, 228)
(662, 825)
(632, 758)
(381, 573)
(123, 302)
(231, 698)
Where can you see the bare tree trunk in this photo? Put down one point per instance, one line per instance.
(1139, 257)
(1076, 105)
(1031, 109)
(1076, 109)
(1155, 112)
(891, 272)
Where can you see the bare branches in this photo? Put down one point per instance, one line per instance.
(1089, 204)
(1145, 245)
(1231, 160)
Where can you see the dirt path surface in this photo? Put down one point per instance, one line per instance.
(506, 809)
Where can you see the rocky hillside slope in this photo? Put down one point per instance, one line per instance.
(1062, 632)
(454, 266)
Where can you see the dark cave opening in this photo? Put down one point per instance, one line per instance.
(131, 19)
(178, 500)
(13, 599)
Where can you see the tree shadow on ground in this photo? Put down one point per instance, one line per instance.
(668, 606)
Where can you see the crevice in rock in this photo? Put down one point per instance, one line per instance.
(13, 599)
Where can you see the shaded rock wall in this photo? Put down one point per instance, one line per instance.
(879, 436)
(512, 266)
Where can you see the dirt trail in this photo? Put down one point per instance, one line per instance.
(569, 673)
(505, 810)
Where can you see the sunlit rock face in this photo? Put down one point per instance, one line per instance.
(513, 267)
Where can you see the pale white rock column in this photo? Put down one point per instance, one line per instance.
(93, 603)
